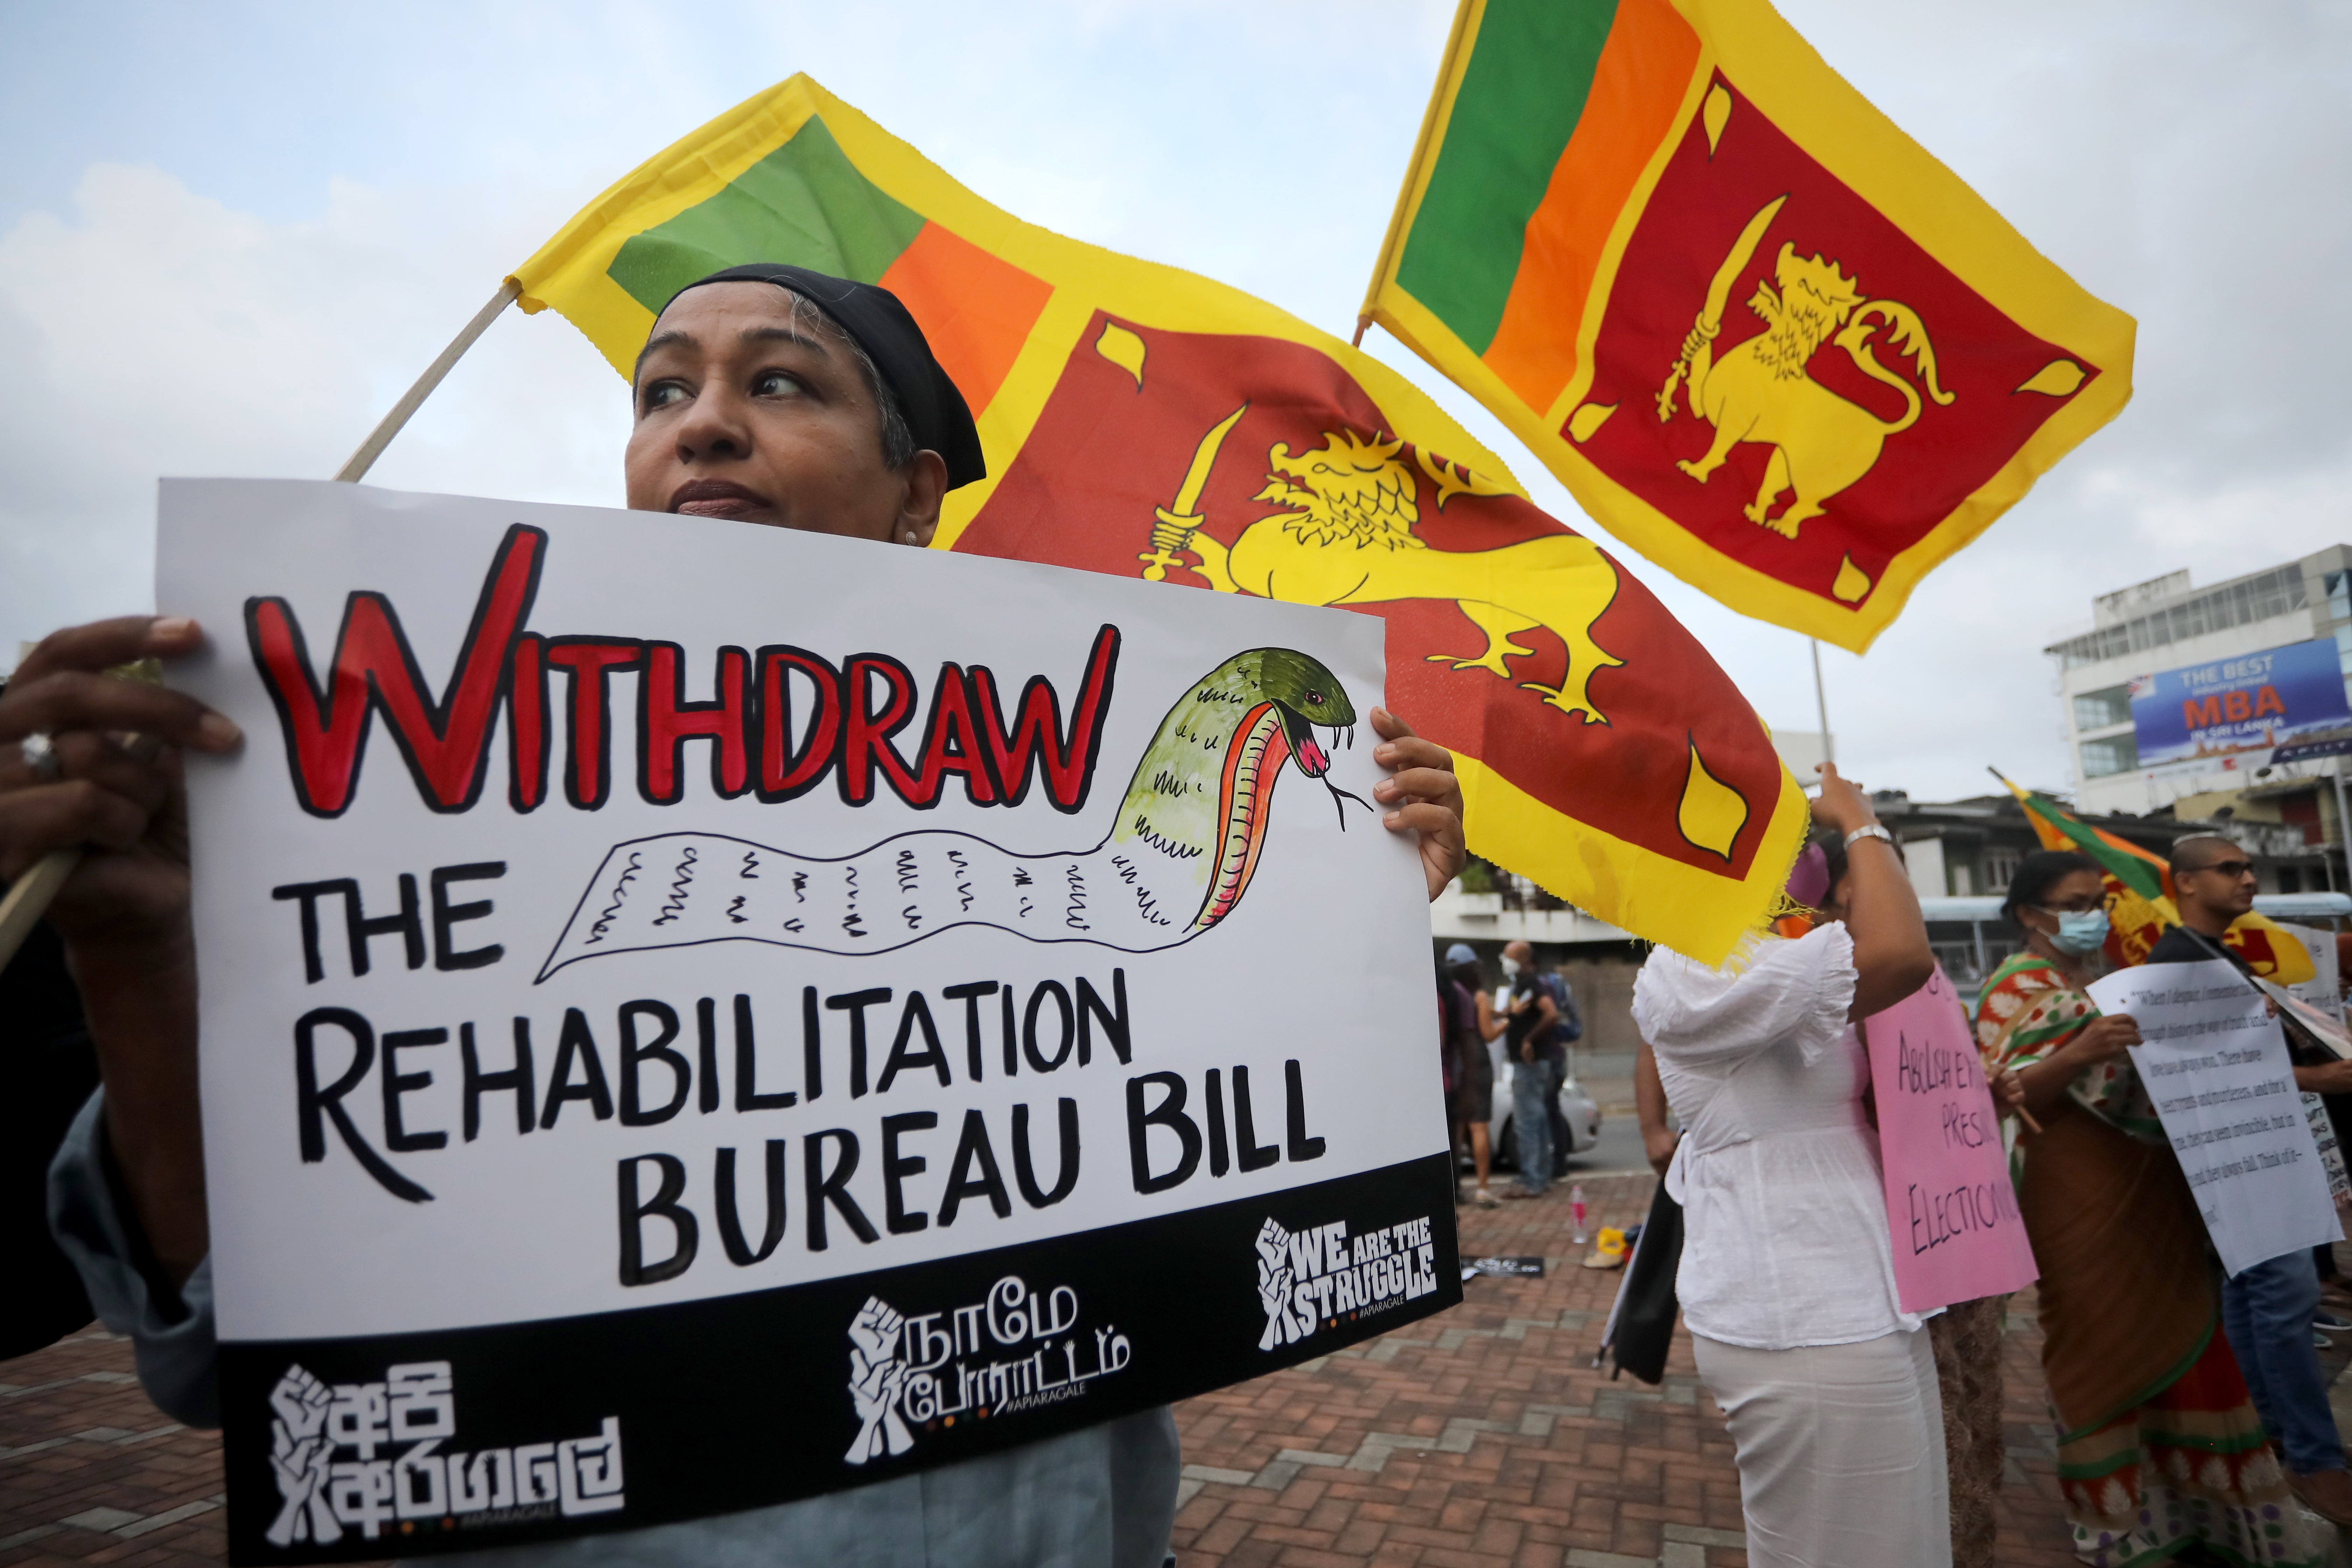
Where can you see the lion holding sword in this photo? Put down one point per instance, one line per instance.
(1761, 391)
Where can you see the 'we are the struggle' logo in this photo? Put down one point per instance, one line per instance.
(1318, 1278)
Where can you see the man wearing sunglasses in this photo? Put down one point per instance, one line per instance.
(2267, 1310)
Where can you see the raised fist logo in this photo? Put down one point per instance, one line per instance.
(299, 1453)
(878, 1374)
(1274, 1281)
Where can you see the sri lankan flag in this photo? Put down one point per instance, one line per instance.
(1145, 421)
(2140, 896)
(1758, 332)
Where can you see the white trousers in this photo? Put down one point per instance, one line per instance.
(1841, 1451)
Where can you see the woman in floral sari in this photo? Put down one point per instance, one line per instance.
(2158, 1443)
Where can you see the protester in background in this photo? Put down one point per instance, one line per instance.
(1787, 1276)
(1470, 1074)
(769, 395)
(2267, 1310)
(1539, 1067)
(1492, 1024)
(2159, 1447)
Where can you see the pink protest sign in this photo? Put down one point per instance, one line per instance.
(1953, 1214)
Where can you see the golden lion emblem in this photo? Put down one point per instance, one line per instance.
(1761, 391)
(1345, 535)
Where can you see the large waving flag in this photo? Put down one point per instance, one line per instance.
(1759, 334)
(2140, 906)
(1145, 421)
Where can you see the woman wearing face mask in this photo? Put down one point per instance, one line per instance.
(2158, 1444)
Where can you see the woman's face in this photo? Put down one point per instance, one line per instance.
(741, 415)
(2076, 892)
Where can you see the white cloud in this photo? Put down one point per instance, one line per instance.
(157, 333)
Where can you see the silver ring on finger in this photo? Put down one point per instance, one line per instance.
(40, 755)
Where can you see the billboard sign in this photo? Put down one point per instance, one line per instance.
(2248, 703)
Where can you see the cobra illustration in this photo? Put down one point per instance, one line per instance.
(1178, 859)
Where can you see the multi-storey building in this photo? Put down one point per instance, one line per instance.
(2167, 634)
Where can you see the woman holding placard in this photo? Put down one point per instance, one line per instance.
(2158, 1443)
(768, 395)
(1787, 1276)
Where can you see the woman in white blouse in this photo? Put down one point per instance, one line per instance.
(1786, 1278)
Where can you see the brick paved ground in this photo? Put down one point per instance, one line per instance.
(1477, 1440)
(1483, 1438)
(90, 1472)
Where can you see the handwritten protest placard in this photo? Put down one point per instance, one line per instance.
(1949, 1204)
(696, 1016)
(2216, 1065)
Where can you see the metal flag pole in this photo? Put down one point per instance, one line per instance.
(28, 897)
(1822, 704)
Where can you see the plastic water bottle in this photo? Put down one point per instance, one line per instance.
(1576, 1205)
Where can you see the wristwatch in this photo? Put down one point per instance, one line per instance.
(1870, 830)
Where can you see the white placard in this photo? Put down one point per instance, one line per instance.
(2215, 1063)
(612, 911)
(2321, 990)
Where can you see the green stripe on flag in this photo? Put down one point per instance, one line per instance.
(2129, 870)
(804, 204)
(1530, 72)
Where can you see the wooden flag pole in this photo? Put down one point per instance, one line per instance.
(414, 398)
(28, 897)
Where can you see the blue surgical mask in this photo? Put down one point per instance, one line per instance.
(2080, 930)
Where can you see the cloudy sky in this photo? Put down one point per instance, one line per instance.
(231, 235)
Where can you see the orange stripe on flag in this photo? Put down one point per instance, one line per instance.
(1637, 88)
(975, 308)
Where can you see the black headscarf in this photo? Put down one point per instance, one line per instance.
(935, 410)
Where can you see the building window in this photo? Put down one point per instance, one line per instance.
(2101, 759)
(2290, 880)
(2339, 595)
(2256, 598)
(2344, 648)
(1999, 870)
(2097, 709)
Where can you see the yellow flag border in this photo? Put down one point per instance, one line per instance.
(1604, 867)
(688, 172)
(1773, 67)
